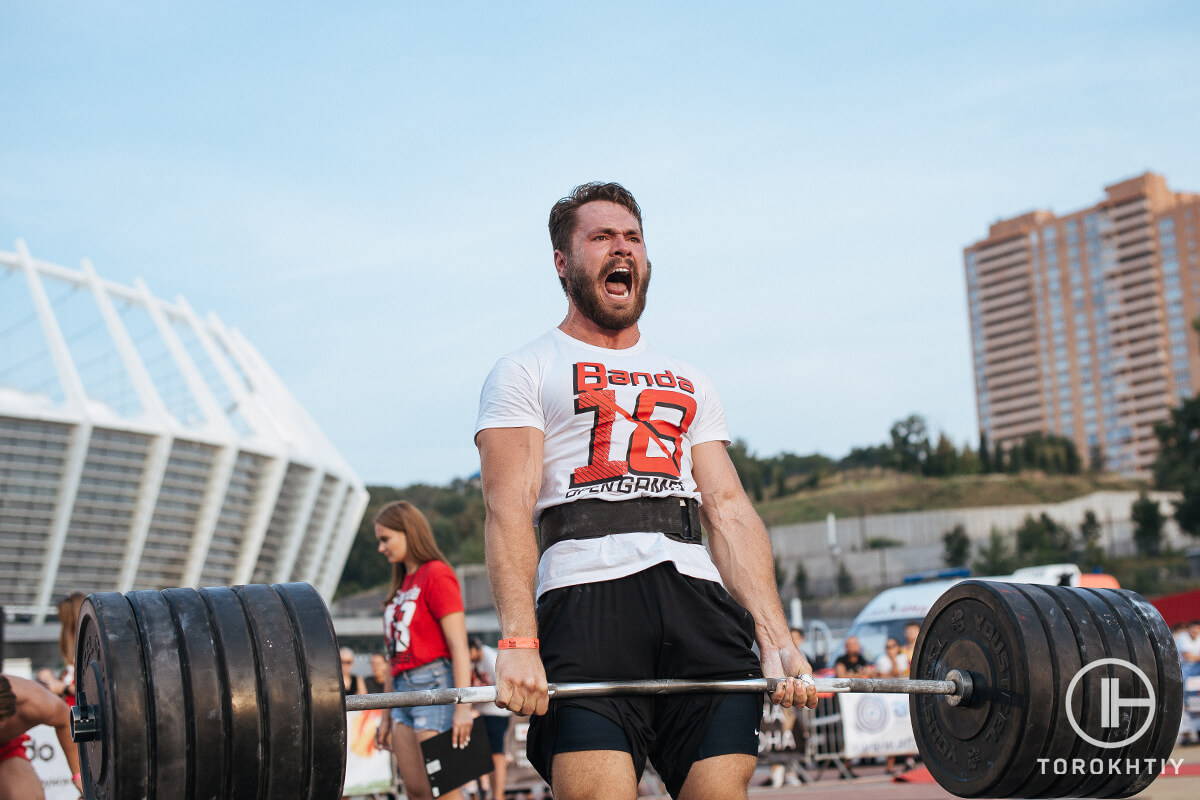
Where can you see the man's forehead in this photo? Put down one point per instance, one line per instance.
(605, 214)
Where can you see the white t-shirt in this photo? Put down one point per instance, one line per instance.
(618, 424)
(1187, 644)
(885, 666)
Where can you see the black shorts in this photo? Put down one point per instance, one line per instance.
(656, 623)
(497, 728)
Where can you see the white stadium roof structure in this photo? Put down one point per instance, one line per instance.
(142, 446)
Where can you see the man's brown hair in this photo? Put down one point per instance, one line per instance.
(562, 214)
(403, 517)
(8, 700)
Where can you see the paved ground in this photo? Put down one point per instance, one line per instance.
(872, 784)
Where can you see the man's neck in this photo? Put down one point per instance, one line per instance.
(577, 326)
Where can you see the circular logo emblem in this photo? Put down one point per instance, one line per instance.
(871, 714)
(1111, 702)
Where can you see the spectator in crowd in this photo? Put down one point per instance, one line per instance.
(911, 631)
(380, 679)
(68, 619)
(353, 684)
(797, 637)
(426, 632)
(46, 677)
(26, 704)
(852, 664)
(1189, 643)
(496, 719)
(893, 663)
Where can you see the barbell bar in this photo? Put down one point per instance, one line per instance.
(956, 686)
(230, 693)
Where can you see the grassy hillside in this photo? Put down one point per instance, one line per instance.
(862, 492)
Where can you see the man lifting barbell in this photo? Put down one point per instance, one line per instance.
(237, 693)
(618, 452)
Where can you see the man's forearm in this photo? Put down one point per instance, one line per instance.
(741, 549)
(512, 557)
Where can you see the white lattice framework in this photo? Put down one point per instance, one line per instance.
(142, 446)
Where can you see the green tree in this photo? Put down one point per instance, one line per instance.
(943, 460)
(910, 443)
(1147, 525)
(1177, 466)
(956, 546)
(1089, 531)
(994, 557)
(968, 462)
(985, 454)
(1043, 539)
(845, 582)
(1096, 459)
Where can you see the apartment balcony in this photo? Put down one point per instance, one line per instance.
(996, 367)
(993, 286)
(1147, 360)
(1130, 282)
(997, 313)
(1019, 295)
(1024, 335)
(1018, 322)
(1013, 387)
(1126, 326)
(1137, 302)
(1015, 400)
(1016, 430)
(992, 254)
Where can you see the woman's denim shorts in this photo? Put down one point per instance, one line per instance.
(434, 675)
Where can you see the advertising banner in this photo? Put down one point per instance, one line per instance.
(50, 764)
(876, 725)
(368, 769)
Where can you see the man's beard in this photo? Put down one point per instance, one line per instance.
(585, 293)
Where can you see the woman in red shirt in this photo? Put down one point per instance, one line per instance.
(426, 633)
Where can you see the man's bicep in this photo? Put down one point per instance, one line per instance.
(713, 470)
(510, 462)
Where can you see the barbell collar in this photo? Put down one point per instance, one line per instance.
(487, 694)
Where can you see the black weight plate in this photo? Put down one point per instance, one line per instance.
(239, 691)
(287, 739)
(110, 677)
(1116, 645)
(1064, 661)
(320, 665)
(990, 630)
(208, 768)
(1166, 676)
(1090, 644)
(168, 728)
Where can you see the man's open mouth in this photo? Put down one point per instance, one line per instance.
(619, 282)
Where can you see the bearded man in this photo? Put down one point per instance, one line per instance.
(617, 452)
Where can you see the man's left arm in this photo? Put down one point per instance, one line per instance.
(741, 550)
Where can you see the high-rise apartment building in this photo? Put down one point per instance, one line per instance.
(1081, 323)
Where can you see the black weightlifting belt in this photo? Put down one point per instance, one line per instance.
(677, 518)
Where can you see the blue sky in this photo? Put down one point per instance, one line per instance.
(363, 189)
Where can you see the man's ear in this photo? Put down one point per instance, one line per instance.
(560, 263)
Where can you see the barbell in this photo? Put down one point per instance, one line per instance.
(231, 693)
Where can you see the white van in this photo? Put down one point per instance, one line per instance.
(892, 609)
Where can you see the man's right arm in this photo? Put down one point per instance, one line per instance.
(511, 471)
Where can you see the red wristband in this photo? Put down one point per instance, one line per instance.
(518, 643)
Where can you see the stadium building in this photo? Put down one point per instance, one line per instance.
(144, 446)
